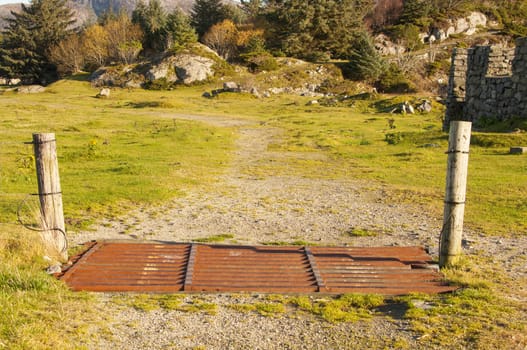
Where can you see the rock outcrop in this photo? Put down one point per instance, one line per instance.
(101, 7)
(117, 76)
(181, 68)
(466, 25)
(386, 47)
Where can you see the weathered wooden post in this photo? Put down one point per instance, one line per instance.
(456, 185)
(49, 190)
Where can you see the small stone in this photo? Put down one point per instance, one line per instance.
(518, 150)
(424, 107)
(53, 269)
(231, 86)
(423, 305)
(255, 93)
(430, 145)
(104, 93)
(31, 89)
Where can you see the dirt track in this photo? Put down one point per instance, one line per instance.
(257, 209)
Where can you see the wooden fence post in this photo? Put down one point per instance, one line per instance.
(456, 185)
(49, 191)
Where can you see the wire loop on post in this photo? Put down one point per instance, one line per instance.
(64, 247)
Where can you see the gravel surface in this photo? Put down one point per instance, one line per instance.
(272, 208)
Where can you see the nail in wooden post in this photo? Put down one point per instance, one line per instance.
(456, 185)
(49, 190)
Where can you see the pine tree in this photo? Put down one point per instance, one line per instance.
(252, 8)
(152, 20)
(24, 51)
(314, 29)
(365, 63)
(179, 31)
(206, 13)
(413, 11)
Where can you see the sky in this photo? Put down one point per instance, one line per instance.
(3, 2)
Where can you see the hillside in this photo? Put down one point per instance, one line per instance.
(395, 47)
(99, 7)
(5, 12)
(87, 10)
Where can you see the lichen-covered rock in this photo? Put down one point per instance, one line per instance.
(186, 68)
(162, 70)
(193, 68)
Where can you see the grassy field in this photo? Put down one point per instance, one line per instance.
(124, 150)
(112, 153)
(120, 147)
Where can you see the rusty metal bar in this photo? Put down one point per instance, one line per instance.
(189, 271)
(92, 248)
(313, 265)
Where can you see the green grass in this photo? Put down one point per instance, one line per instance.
(34, 304)
(215, 239)
(112, 154)
(333, 309)
(354, 137)
(345, 308)
(480, 315)
(360, 232)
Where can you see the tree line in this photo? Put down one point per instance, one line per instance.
(41, 43)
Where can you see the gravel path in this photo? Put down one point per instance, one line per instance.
(257, 209)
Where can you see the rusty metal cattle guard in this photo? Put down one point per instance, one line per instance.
(112, 266)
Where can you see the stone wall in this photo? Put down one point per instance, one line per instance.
(488, 82)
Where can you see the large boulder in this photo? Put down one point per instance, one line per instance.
(193, 68)
(186, 68)
(231, 86)
(161, 70)
(468, 25)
